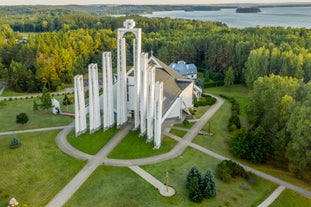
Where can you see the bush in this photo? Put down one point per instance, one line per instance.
(234, 122)
(195, 194)
(208, 185)
(193, 172)
(223, 96)
(235, 107)
(192, 112)
(227, 169)
(67, 101)
(251, 144)
(15, 143)
(22, 118)
(185, 122)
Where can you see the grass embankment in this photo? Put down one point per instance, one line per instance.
(37, 119)
(35, 172)
(133, 147)
(91, 143)
(119, 186)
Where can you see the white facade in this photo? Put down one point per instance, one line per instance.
(94, 108)
(108, 112)
(80, 113)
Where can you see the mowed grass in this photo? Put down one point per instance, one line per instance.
(91, 143)
(119, 186)
(218, 142)
(37, 119)
(133, 147)
(179, 133)
(292, 199)
(200, 111)
(185, 126)
(35, 172)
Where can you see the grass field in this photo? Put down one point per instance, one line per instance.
(35, 172)
(133, 147)
(292, 199)
(119, 186)
(91, 143)
(37, 119)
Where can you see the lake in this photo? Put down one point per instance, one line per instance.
(270, 16)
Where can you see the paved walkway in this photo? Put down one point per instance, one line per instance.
(93, 162)
(153, 181)
(272, 197)
(32, 130)
(257, 172)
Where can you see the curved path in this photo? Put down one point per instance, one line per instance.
(101, 157)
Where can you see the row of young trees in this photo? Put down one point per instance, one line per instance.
(213, 47)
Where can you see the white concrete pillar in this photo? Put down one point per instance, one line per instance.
(150, 103)
(137, 74)
(80, 113)
(121, 82)
(129, 25)
(158, 114)
(94, 115)
(143, 93)
(108, 113)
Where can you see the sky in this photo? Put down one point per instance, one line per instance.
(84, 2)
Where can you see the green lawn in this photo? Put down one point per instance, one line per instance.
(37, 119)
(219, 141)
(119, 186)
(91, 143)
(35, 172)
(179, 133)
(133, 147)
(185, 126)
(292, 199)
(200, 111)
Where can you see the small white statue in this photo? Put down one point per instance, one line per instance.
(56, 106)
(12, 202)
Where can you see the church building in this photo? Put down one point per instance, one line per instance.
(149, 93)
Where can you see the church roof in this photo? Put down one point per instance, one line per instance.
(173, 82)
(183, 68)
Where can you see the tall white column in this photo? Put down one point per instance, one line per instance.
(80, 113)
(137, 74)
(158, 114)
(129, 25)
(108, 114)
(143, 92)
(94, 107)
(150, 103)
(121, 82)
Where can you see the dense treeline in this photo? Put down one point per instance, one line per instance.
(281, 108)
(79, 40)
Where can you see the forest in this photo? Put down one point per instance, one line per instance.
(48, 48)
